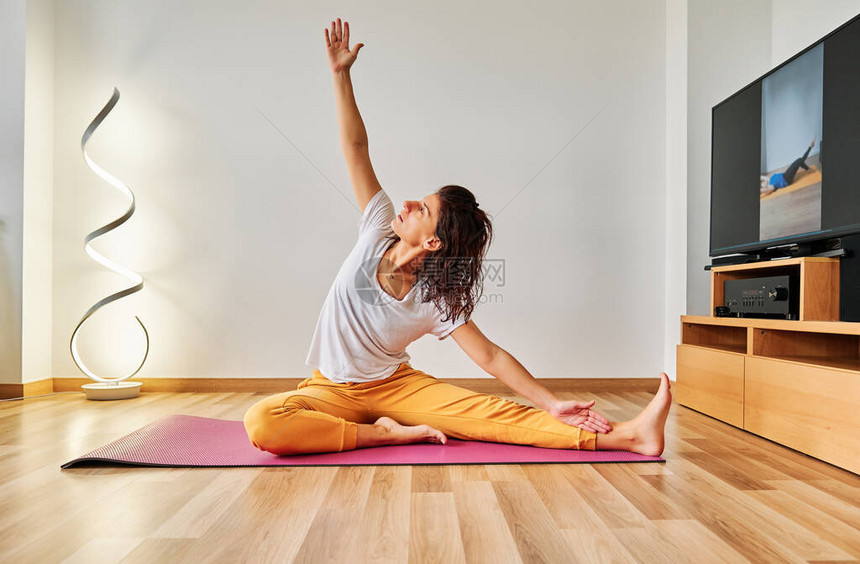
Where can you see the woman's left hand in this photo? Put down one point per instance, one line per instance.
(340, 56)
(579, 414)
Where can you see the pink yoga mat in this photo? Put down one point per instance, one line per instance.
(185, 440)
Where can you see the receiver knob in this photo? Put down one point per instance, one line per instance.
(777, 294)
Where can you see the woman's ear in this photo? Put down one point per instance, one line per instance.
(433, 244)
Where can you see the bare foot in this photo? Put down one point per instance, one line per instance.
(652, 420)
(403, 435)
(644, 434)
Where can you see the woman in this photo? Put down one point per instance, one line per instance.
(783, 179)
(409, 274)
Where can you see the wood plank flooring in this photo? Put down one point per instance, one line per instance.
(723, 495)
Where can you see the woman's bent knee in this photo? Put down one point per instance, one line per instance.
(280, 429)
(289, 425)
(254, 421)
(260, 422)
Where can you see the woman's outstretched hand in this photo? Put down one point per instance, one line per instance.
(579, 414)
(337, 46)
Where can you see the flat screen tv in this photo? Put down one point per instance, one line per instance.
(785, 153)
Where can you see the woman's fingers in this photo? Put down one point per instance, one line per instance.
(574, 420)
(600, 422)
(339, 32)
(598, 417)
(596, 423)
(327, 40)
(594, 427)
(587, 420)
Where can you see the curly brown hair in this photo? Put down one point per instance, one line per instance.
(451, 276)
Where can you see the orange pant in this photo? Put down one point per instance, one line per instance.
(323, 416)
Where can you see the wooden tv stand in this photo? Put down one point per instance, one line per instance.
(794, 382)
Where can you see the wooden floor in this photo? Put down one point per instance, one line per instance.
(723, 495)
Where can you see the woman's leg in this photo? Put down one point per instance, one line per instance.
(411, 406)
(420, 399)
(386, 431)
(791, 171)
(324, 416)
(312, 418)
(644, 434)
(463, 414)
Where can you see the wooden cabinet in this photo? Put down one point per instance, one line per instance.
(806, 407)
(712, 382)
(793, 382)
(818, 277)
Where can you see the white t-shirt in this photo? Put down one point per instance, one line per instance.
(362, 332)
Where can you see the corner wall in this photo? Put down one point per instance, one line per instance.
(37, 293)
(675, 288)
(11, 186)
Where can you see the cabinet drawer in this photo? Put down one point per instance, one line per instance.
(810, 409)
(711, 382)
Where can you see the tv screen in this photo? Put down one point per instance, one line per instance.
(785, 152)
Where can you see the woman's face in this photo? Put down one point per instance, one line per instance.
(416, 222)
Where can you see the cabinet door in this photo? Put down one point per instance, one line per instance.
(711, 382)
(810, 409)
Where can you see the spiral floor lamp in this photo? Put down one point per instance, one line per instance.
(108, 388)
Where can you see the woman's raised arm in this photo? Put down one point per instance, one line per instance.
(341, 59)
(353, 135)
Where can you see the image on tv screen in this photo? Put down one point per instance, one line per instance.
(791, 164)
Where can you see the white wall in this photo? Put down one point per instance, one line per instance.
(226, 201)
(676, 178)
(240, 229)
(11, 186)
(796, 24)
(37, 310)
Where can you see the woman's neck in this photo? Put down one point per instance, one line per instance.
(406, 259)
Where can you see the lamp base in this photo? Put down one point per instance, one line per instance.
(120, 390)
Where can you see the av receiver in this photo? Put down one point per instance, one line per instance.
(771, 297)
